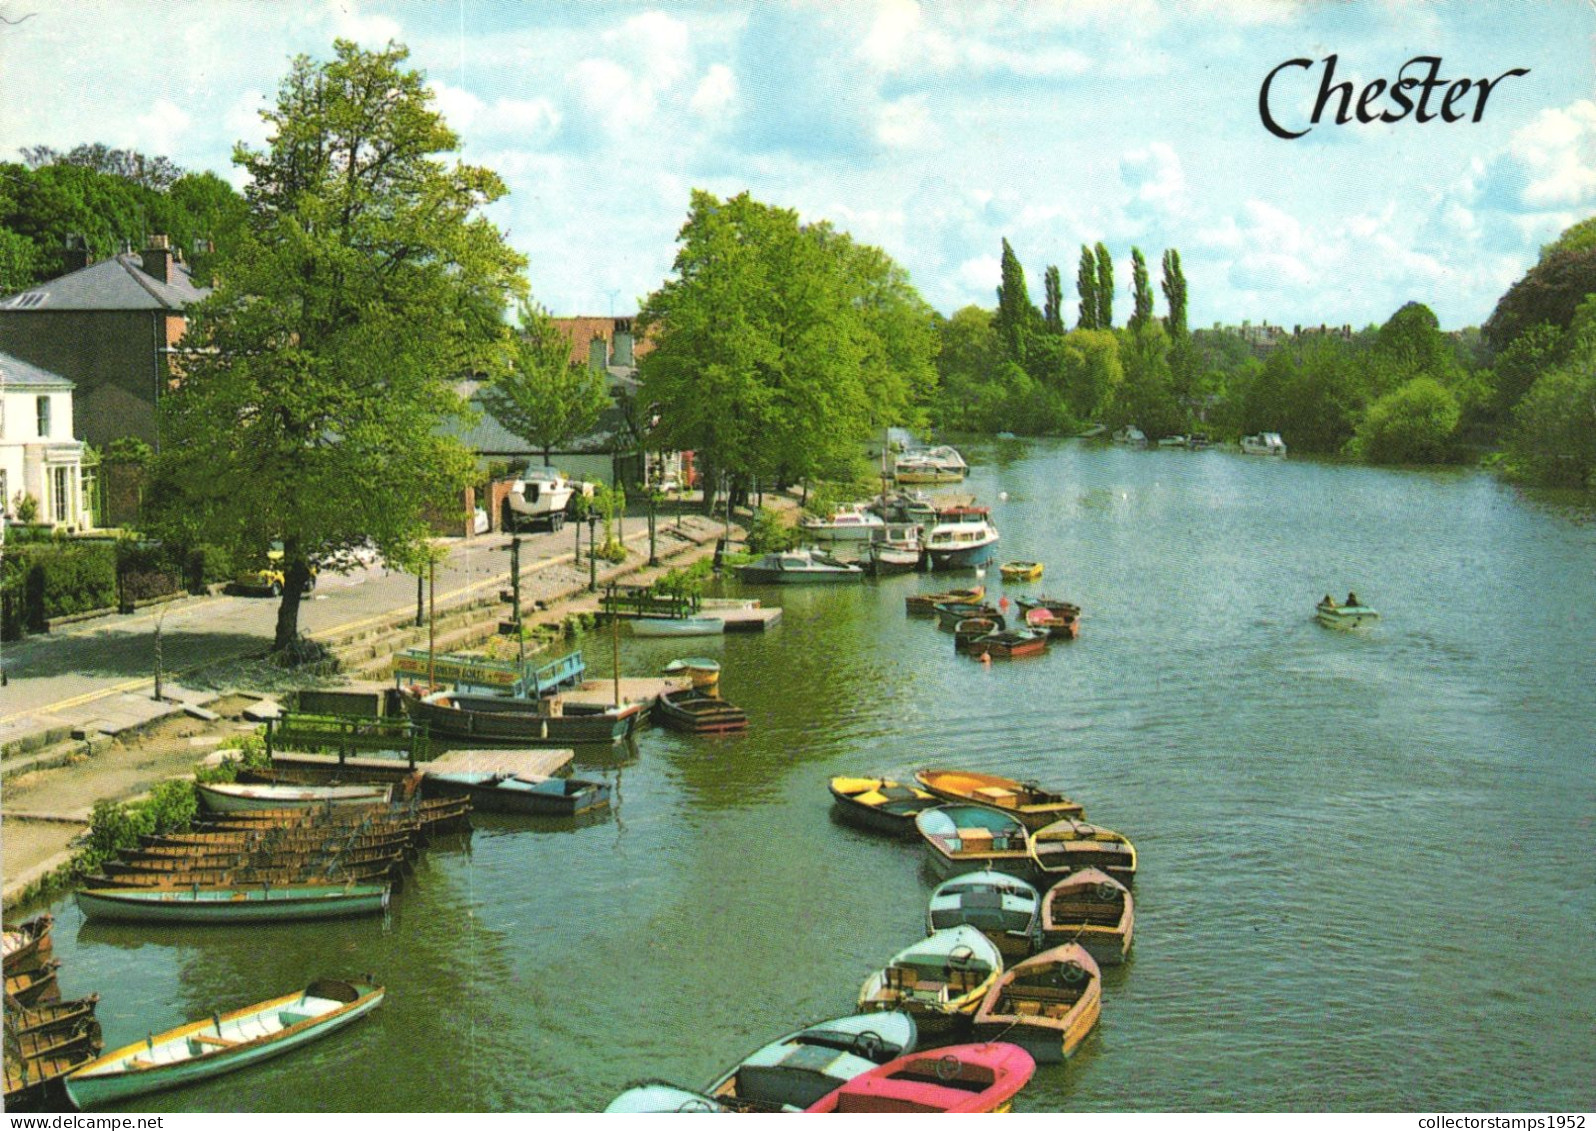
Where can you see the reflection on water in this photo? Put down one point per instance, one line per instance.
(1367, 858)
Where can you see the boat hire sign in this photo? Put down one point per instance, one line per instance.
(458, 669)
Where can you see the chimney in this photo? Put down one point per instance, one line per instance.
(158, 259)
(623, 343)
(76, 255)
(596, 350)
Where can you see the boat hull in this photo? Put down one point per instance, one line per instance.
(891, 815)
(517, 722)
(88, 1090)
(219, 905)
(247, 799)
(966, 557)
(681, 626)
(1342, 616)
(693, 712)
(494, 796)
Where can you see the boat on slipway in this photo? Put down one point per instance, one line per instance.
(223, 1042)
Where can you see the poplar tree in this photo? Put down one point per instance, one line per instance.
(1141, 291)
(1105, 289)
(1053, 304)
(1086, 287)
(1174, 287)
(1017, 319)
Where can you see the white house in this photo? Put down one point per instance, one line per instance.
(38, 456)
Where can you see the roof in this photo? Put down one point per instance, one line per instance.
(118, 283)
(16, 374)
(489, 437)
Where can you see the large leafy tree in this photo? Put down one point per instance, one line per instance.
(546, 398)
(1553, 438)
(365, 285)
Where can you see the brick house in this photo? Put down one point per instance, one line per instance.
(110, 329)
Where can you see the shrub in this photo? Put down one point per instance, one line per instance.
(767, 533)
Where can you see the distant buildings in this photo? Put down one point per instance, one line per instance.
(1264, 337)
(39, 458)
(110, 329)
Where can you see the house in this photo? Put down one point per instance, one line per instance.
(39, 458)
(109, 328)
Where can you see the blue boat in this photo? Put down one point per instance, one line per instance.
(791, 1073)
(1005, 909)
(222, 1042)
(961, 538)
(496, 792)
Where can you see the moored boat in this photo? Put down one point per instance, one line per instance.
(801, 1068)
(656, 1097)
(1055, 625)
(27, 945)
(703, 673)
(852, 523)
(694, 712)
(939, 981)
(222, 1042)
(1009, 644)
(799, 567)
(971, 629)
(892, 555)
(1131, 436)
(1002, 907)
(1349, 614)
(925, 604)
(962, 537)
(516, 721)
(1020, 571)
(31, 987)
(265, 904)
(678, 626)
(1094, 909)
(49, 1016)
(977, 1078)
(880, 804)
(951, 613)
(973, 838)
(1263, 444)
(1067, 846)
(511, 793)
(1034, 805)
(231, 797)
(1047, 1004)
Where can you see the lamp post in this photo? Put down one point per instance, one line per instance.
(653, 499)
(592, 556)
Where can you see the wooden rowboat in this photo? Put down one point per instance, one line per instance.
(656, 1097)
(31, 987)
(1020, 571)
(50, 1015)
(514, 721)
(925, 604)
(958, 1078)
(950, 613)
(1009, 645)
(971, 629)
(230, 797)
(1057, 626)
(223, 1042)
(1034, 805)
(693, 712)
(939, 981)
(1094, 909)
(1068, 846)
(880, 804)
(704, 673)
(28, 945)
(1047, 1004)
(233, 905)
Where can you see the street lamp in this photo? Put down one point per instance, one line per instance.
(653, 500)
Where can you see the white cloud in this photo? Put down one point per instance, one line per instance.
(159, 130)
(983, 273)
(905, 123)
(243, 122)
(611, 96)
(1155, 177)
(658, 46)
(716, 91)
(365, 28)
(1557, 153)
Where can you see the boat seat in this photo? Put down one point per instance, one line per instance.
(213, 1040)
(289, 1017)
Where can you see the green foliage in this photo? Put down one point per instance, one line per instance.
(115, 827)
(967, 362)
(1141, 291)
(1146, 396)
(1410, 345)
(778, 347)
(1174, 287)
(129, 449)
(1549, 292)
(1086, 288)
(27, 507)
(545, 398)
(44, 580)
(1575, 238)
(1017, 320)
(1553, 436)
(1105, 289)
(688, 581)
(1413, 424)
(365, 285)
(768, 532)
(1053, 305)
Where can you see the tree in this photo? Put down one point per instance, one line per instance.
(1410, 345)
(1105, 289)
(1053, 304)
(1017, 319)
(1141, 291)
(1553, 438)
(1549, 292)
(1413, 424)
(1174, 287)
(967, 364)
(545, 398)
(158, 173)
(365, 285)
(1086, 288)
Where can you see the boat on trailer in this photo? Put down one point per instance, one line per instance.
(223, 1042)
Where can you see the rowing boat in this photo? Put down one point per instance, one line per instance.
(1033, 804)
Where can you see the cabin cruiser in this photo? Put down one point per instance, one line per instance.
(1263, 444)
(962, 537)
(795, 567)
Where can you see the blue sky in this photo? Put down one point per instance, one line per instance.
(933, 130)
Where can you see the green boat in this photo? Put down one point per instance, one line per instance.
(222, 1043)
(264, 904)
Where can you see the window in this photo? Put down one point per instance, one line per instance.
(63, 494)
(44, 417)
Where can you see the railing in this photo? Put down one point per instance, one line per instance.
(346, 735)
(646, 601)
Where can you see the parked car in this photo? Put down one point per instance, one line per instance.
(271, 577)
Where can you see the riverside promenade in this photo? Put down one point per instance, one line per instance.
(80, 696)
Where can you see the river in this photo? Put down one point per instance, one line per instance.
(1368, 859)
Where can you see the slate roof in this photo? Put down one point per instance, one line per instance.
(118, 283)
(16, 374)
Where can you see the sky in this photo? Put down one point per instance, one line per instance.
(934, 130)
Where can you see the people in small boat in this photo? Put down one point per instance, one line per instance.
(1329, 602)
(1352, 600)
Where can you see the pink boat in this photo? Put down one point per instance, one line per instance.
(959, 1078)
